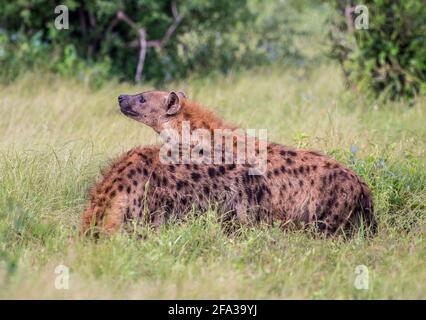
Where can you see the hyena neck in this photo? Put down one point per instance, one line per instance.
(218, 142)
(195, 116)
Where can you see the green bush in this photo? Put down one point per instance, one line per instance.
(389, 58)
(213, 35)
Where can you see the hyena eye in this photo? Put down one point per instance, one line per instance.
(142, 99)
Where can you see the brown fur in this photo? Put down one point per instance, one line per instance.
(300, 187)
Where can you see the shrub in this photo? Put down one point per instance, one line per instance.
(389, 58)
(219, 35)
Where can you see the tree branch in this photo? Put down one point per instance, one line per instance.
(349, 18)
(177, 18)
(142, 43)
(142, 54)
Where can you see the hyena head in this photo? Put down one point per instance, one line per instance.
(154, 108)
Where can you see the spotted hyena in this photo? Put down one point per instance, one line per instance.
(301, 188)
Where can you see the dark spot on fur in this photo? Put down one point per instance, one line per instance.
(120, 187)
(195, 176)
(318, 210)
(128, 215)
(289, 161)
(259, 195)
(179, 185)
(231, 166)
(321, 226)
(249, 194)
(206, 190)
(211, 172)
(131, 173)
(222, 170)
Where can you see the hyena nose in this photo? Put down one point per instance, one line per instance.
(121, 98)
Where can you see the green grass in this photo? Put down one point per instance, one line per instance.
(57, 134)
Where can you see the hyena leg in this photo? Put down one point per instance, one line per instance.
(241, 209)
(114, 214)
(104, 219)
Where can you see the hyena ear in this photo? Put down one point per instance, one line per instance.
(173, 103)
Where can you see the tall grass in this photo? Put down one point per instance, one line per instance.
(57, 134)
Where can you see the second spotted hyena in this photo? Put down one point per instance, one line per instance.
(299, 187)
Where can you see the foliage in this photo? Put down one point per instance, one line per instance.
(213, 35)
(389, 58)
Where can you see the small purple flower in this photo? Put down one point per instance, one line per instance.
(353, 149)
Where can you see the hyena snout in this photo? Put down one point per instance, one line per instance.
(125, 104)
(122, 97)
